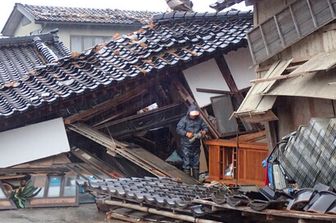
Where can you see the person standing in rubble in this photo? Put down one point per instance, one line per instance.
(191, 128)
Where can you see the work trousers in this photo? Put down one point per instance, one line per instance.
(191, 154)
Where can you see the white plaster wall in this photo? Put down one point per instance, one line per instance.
(205, 75)
(65, 32)
(33, 142)
(240, 64)
(27, 29)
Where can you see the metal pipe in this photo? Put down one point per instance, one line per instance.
(157, 212)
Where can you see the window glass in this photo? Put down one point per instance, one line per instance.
(70, 187)
(39, 181)
(54, 189)
(98, 39)
(2, 194)
(88, 42)
(76, 43)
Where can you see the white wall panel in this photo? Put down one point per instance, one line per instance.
(205, 75)
(240, 64)
(33, 142)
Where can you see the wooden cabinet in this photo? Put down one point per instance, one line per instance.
(234, 162)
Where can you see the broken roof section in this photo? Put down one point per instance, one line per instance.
(19, 57)
(313, 78)
(174, 39)
(74, 15)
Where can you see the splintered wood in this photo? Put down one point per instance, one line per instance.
(135, 154)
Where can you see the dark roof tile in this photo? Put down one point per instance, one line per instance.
(87, 15)
(166, 43)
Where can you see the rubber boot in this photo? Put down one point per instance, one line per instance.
(196, 173)
(187, 171)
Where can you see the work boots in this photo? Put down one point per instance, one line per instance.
(196, 173)
(187, 171)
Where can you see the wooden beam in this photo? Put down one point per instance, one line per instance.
(281, 77)
(106, 105)
(227, 75)
(145, 121)
(212, 91)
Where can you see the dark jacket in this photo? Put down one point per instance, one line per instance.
(186, 124)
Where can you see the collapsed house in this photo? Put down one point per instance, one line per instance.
(99, 109)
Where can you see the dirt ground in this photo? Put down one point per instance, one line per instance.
(87, 213)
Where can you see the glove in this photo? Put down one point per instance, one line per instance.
(189, 135)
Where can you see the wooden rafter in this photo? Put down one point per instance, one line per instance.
(106, 105)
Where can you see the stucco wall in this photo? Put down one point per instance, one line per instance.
(66, 31)
(241, 67)
(27, 29)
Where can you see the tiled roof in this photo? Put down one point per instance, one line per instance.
(173, 40)
(222, 4)
(21, 55)
(87, 15)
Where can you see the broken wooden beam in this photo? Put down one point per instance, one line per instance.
(106, 105)
(159, 117)
(96, 163)
(212, 91)
(227, 75)
(133, 153)
(29, 170)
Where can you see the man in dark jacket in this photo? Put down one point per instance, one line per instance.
(188, 127)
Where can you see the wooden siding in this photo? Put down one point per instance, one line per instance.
(293, 23)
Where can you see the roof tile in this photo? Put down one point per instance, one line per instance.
(88, 15)
(168, 43)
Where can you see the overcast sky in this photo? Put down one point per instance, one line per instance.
(150, 5)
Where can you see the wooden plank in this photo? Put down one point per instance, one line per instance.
(255, 103)
(169, 170)
(137, 155)
(212, 91)
(272, 212)
(214, 162)
(96, 163)
(306, 17)
(276, 73)
(264, 40)
(106, 105)
(320, 62)
(312, 13)
(331, 8)
(234, 143)
(279, 31)
(251, 137)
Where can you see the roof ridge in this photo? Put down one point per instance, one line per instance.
(27, 39)
(90, 8)
(179, 15)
